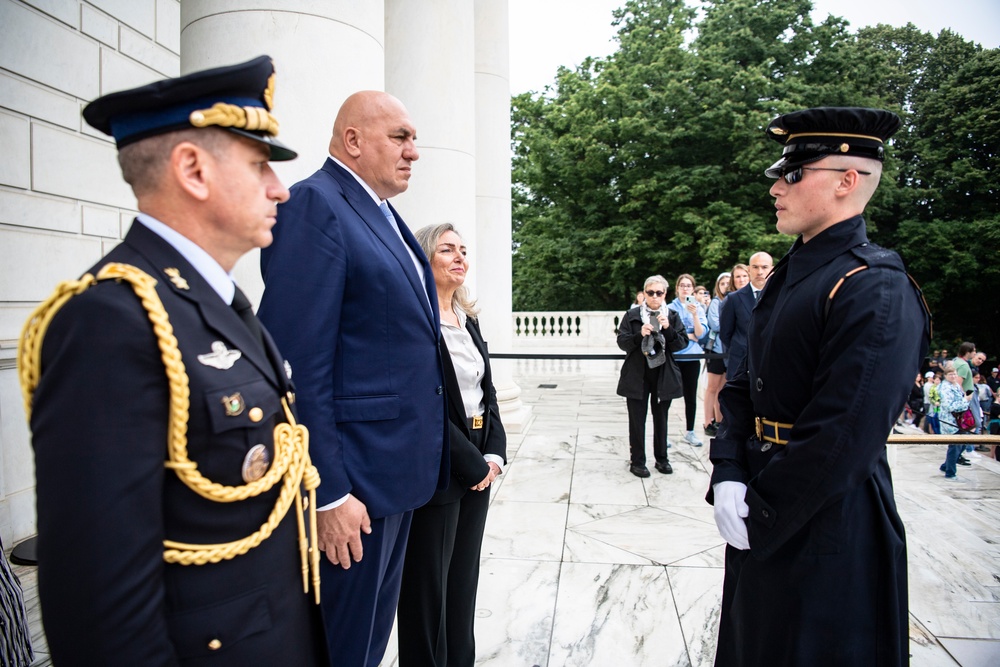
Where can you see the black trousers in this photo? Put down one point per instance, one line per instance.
(637, 420)
(690, 370)
(437, 600)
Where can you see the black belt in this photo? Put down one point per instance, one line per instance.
(771, 431)
(475, 422)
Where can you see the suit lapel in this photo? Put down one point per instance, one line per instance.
(219, 317)
(369, 212)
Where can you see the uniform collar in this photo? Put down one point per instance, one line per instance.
(805, 258)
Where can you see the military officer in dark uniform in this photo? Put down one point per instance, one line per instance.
(168, 472)
(816, 555)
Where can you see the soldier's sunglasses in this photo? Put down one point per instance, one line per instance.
(795, 175)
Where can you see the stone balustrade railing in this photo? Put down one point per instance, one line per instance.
(551, 330)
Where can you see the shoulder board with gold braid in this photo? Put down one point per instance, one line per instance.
(292, 465)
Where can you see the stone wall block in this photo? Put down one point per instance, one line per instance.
(41, 50)
(15, 137)
(67, 11)
(38, 102)
(35, 263)
(121, 73)
(168, 25)
(99, 25)
(149, 53)
(32, 210)
(101, 222)
(95, 176)
(137, 14)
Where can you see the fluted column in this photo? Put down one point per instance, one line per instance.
(429, 66)
(323, 51)
(493, 205)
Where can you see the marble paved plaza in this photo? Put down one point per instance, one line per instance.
(586, 565)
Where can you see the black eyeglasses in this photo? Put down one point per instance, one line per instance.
(795, 175)
(655, 292)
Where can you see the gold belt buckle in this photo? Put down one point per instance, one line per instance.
(477, 421)
(759, 424)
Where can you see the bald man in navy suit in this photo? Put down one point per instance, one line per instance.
(734, 315)
(350, 298)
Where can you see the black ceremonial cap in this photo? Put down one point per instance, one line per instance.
(237, 98)
(812, 134)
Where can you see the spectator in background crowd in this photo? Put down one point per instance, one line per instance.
(953, 400)
(703, 295)
(696, 325)
(715, 369)
(649, 335)
(915, 402)
(994, 380)
(932, 399)
(640, 298)
(735, 316)
(962, 366)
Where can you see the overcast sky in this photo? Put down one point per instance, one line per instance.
(545, 34)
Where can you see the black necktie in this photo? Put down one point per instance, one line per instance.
(241, 304)
(756, 294)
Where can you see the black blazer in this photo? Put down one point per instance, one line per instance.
(106, 502)
(634, 366)
(468, 467)
(734, 320)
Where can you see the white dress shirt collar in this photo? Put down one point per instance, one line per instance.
(209, 269)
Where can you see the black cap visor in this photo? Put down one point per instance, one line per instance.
(279, 151)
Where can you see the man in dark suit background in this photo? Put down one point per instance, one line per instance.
(734, 316)
(350, 298)
(114, 583)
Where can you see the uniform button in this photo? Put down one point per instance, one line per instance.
(765, 514)
(766, 446)
(255, 414)
(760, 384)
(291, 397)
(440, 390)
(214, 645)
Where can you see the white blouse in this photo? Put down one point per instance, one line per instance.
(468, 362)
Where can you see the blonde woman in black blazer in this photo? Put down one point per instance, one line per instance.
(437, 602)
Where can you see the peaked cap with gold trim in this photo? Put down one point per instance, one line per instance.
(236, 98)
(812, 134)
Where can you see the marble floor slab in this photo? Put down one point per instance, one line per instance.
(585, 564)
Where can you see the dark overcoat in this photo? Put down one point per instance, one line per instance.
(106, 502)
(634, 366)
(824, 581)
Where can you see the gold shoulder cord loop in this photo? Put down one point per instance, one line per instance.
(292, 465)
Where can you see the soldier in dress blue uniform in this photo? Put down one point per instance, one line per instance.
(155, 420)
(816, 555)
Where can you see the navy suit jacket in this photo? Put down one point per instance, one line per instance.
(106, 502)
(734, 319)
(346, 306)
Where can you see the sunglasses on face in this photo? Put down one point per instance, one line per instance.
(795, 175)
(655, 292)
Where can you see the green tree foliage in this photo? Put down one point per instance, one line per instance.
(651, 160)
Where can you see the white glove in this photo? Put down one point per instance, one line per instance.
(730, 512)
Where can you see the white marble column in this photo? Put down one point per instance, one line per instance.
(429, 58)
(323, 51)
(493, 205)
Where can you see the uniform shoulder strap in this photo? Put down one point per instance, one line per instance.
(874, 256)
